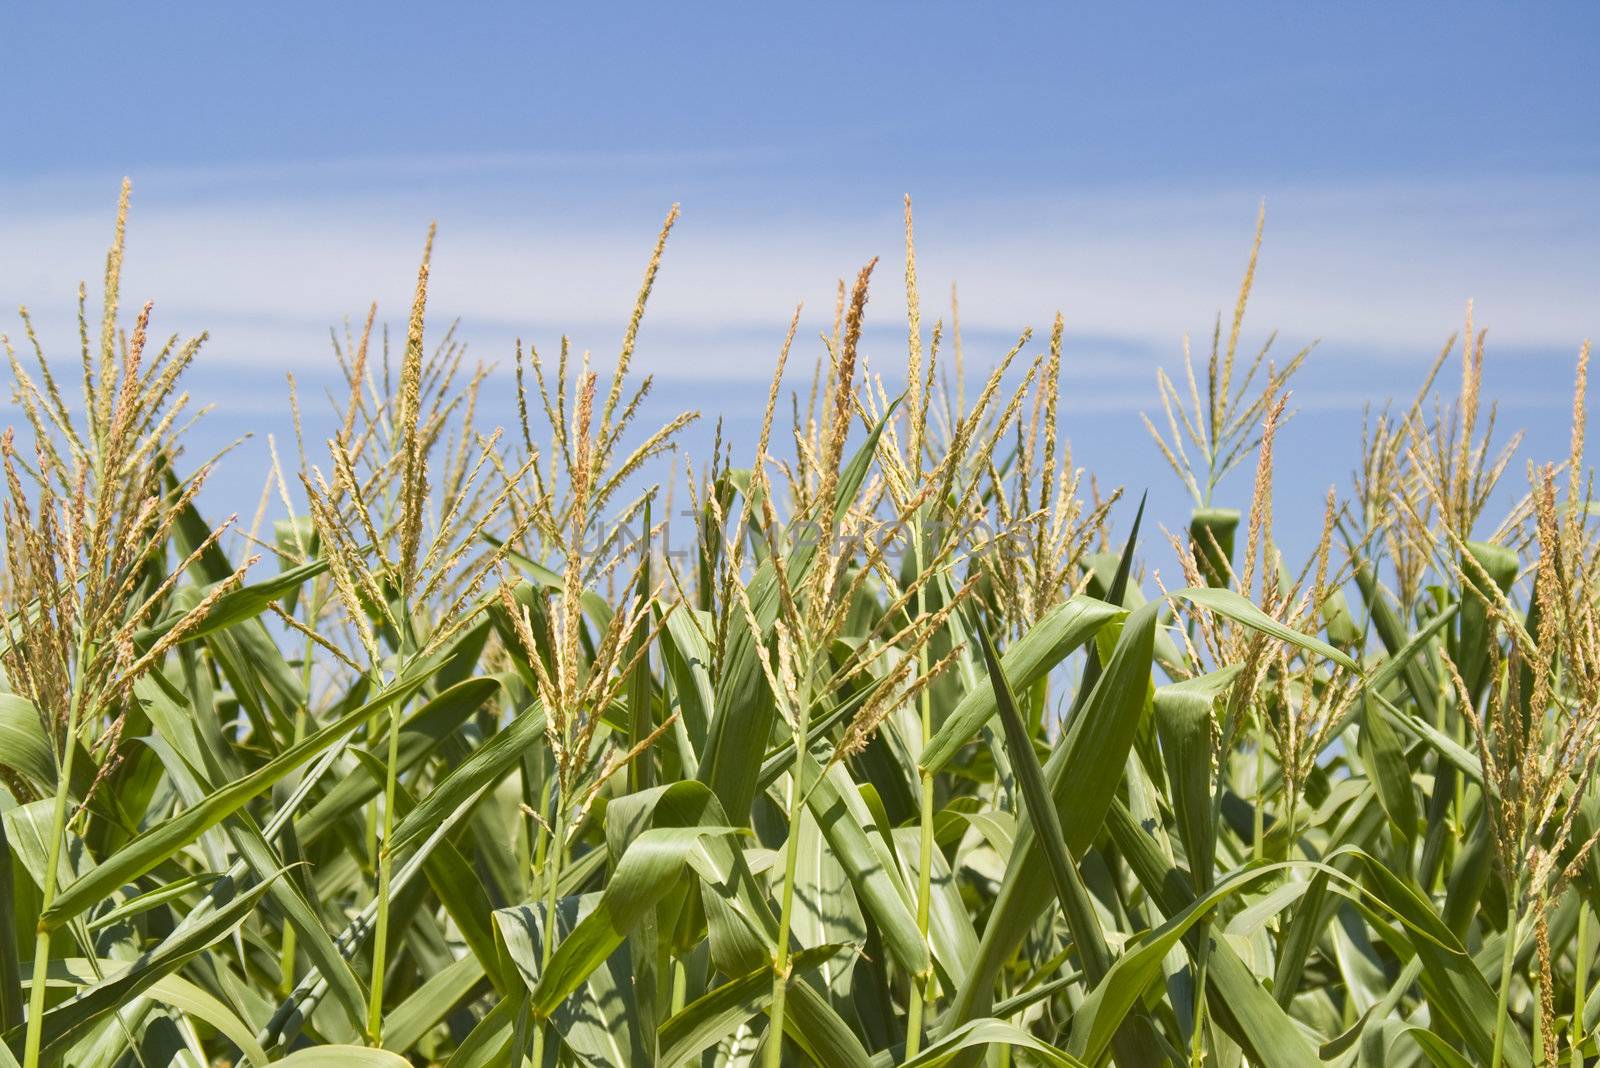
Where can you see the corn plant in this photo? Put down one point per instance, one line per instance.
(921, 750)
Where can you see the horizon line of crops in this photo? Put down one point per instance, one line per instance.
(911, 759)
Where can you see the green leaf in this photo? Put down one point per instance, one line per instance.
(1440, 1052)
(11, 1012)
(1102, 1011)
(721, 1011)
(869, 860)
(1232, 606)
(688, 660)
(172, 990)
(1455, 988)
(69, 1020)
(1138, 1044)
(1388, 769)
(458, 887)
(430, 1003)
(154, 899)
(157, 844)
(738, 734)
(236, 606)
(1083, 773)
(640, 685)
(488, 1044)
(598, 1020)
(1235, 997)
(647, 871)
(486, 765)
(1184, 714)
(421, 734)
(24, 748)
(1051, 640)
(990, 1032)
(344, 1057)
(260, 859)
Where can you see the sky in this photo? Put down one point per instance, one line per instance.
(1108, 164)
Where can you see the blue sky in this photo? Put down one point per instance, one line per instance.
(287, 159)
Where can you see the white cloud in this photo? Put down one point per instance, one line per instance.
(1379, 270)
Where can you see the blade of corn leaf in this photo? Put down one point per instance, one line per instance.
(1455, 988)
(869, 861)
(598, 1022)
(1401, 661)
(1184, 713)
(1229, 604)
(543, 577)
(1116, 593)
(1488, 563)
(487, 1044)
(74, 1016)
(459, 889)
(1095, 1023)
(710, 1018)
(982, 1033)
(1439, 1052)
(292, 1013)
(421, 734)
(344, 1057)
(405, 1024)
(1082, 774)
(826, 911)
(171, 990)
(11, 1013)
(153, 846)
(191, 1000)
(1235, 997)
(1299, 937)
(1469, 875)
(486, 765)
(1137, 1044)
(23, 745)
(1057, 634)
(688, 660)
(653, 862)
(950, 931)
(743, 934)
(160, 896)
(1386, 765)
(641, 770)
(1425, 732)
(236, 606)
(1392, 633)
(263, 862)
(191, 531)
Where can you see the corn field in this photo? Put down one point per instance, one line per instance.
(911, 755)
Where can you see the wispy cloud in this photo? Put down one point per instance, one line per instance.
(1379, 270)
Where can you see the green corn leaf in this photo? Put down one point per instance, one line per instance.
(1138, 1043)
(975, 1034)
(1230, 605)
(1083, 773)
(707, 1020)
(647, 871)
(1184, 714)
(1051, 640)
(344, 1057)
(154, 846)
(70, 1019)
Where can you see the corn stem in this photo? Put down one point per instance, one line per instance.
(58, 831)
(791, 855)
(1507, 959)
